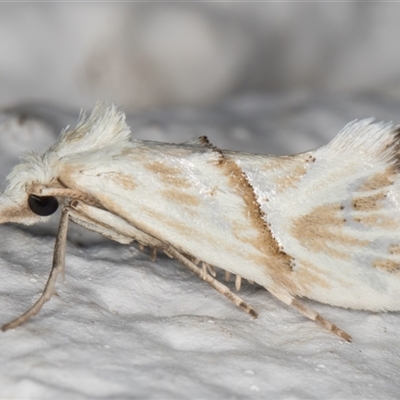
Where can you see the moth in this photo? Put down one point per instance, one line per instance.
(323, 225)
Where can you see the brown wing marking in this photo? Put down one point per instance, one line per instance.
(276, 261)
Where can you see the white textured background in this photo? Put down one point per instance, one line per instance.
(273, 78)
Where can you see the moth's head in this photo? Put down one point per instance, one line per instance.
(18, 203)
(104, 127)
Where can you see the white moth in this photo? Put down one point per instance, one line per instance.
(324, 225)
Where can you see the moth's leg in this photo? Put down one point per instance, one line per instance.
(238, 282)
(110, 225)
(97, 227)
(58, 266)
(172, 252)
(207, 268)
(100, 222)
(310, 313)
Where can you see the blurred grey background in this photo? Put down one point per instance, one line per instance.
(145, 55)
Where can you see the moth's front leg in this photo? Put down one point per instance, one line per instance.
(58, 266)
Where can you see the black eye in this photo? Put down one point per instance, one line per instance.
(43, 206)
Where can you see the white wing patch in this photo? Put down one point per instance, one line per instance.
(339, 217)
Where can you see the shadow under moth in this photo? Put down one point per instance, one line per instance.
(324, 225)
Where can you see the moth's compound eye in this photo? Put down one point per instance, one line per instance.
(43, 206)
